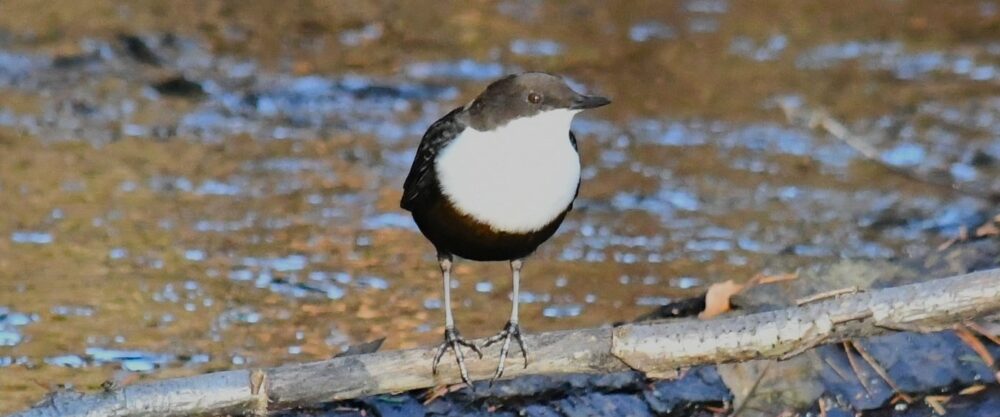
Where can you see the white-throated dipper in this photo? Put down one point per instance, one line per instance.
(494, 179)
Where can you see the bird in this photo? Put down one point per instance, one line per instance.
(491, 181)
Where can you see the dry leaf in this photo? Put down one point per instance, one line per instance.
(988, 229)
(717, 298)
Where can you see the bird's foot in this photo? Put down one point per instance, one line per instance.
(510, 331)
(453, 341)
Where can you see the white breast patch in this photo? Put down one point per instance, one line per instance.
(516, 178)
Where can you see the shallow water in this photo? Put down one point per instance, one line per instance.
(216, 186)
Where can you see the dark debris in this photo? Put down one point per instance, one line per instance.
(137, 49)
(179, 86)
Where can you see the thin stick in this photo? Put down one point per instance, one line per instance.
(981, 330)
(753, 390)
(937, 402)
(835, 368)
(822, 119)
(881, 371)
(826, 294)
(857, 370)
(970, 339)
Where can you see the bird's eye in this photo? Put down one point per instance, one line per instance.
(534, 98)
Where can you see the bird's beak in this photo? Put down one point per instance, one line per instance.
(589, 102)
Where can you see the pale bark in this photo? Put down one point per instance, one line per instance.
(656, 348)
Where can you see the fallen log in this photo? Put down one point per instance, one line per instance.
(657, 348)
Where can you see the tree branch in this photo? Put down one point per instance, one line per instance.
(657, 348)
(826, 122)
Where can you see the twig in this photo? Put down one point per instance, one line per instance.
(970, 339)
(860, 315)
(441, 390)
(825, 295)
(809, 342)
(752, 391)
(857, 370)
(822, 119)
(836, 369)
(963, 235)
(881, 371)
(982, 331)
(937, 403)
(771, 279)
(972, 389)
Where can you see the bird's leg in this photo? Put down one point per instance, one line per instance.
(452, 340)
(511, 330)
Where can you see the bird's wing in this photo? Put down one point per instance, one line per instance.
(421, 175)
(572, 141)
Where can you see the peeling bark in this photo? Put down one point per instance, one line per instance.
(657, 348)
(935, 305)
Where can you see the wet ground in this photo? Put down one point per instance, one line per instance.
(206, 186)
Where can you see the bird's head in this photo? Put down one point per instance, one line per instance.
(528, 94)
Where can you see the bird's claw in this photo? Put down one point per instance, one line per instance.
(453, 341)
(511, 330)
